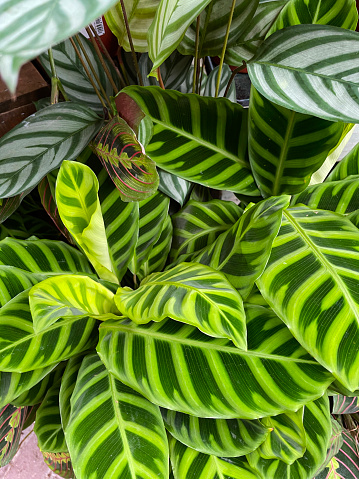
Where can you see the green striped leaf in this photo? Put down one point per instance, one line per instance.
(133, 173)
(21, 349)
(80, 211)
(108, 416)
(175, 187)
(318, 429)
(339, 14)
(48, 429)
(73, 76)
(335, 443)
(13, 385)
(172, 19)
(287, 439)
(174, 70)
(311, 282)
(213, 27)
(59, 463)
(12, 420)
(32, 20)
(211, 83)
(199, 224)
(339, 196)
(68, 296)
(159, 253)
(242, 252)
(68, 383)
(153, 212)
(191, 293)
(190, 464)
(14, 280)
(322, 83)
(217, 437)
(201, 375)
(286, 148)
(41, 142)
(348, 166)
(140, 15)
(10, 205)
(188, 142)
(345, 405)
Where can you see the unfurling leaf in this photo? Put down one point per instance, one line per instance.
(133, 173)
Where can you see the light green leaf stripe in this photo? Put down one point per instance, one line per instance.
(218, 437)
(80, 211)
(287, 440)
(175, 187)
(199, 224)
(339, 196)
(31, 18)
(312, 283)
(69, 295)
(21, 349)
(67, 387)
(172, 19)
(242, 252)
(334, 446)
(188, 463)
(14, 280)
(48, 429)
(108, 416)
(40, 143)
(209, 377)
(191, 293)
(187, 143)
(318, 430)
(348, 166)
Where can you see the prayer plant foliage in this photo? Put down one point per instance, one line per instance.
(170, 334)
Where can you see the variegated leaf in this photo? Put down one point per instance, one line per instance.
(11, 425)
(59, 463)
(345, 405)
(175, 187)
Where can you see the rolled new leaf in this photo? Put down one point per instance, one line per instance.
(190, 293)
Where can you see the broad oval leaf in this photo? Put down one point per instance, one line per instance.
(108, 416)
(203, 140)
(188, 463)
(311, 281)
(40, 143)
(218, 437)
(37, 34)
(190, 293)
(321, 63)
(345, 405)
(209, 377)
(80, 211)
(133, 173)
(12, 420)
(69, 295)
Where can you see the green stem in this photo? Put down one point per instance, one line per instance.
(196, 56)
(56, 84)
(225, 47)
(134, 57)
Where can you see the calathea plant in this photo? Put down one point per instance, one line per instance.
(171, 334)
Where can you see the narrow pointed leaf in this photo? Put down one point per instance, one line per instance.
(348, 166)
(21, 349)
(197, 151)
(59, 463)
(40, 143)
(345, 405)
(243, 251)
(175, 187)
(311, 282)
(80, 211)
(287, 74)
(133, 173)
(68, 383)
(188, 463)
(190, 293)
(108, 416)
(11, 425)
(218, 437)
(201, 375)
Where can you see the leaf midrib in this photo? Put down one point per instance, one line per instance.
(283, 155)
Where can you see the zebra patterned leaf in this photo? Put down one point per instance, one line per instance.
(133, 173)
(188, 142)
(68, 383)
(316, 74)
(345, 405)
(32, 19)
(41, 142)
(12, 420)
(348, 166)
(175, 187)
(68, 296)
(191, 293)
(210, 87)
(107, 415)
(335, 443)
(21, 349)
(311, 282)
(217, 437)
(242, 252)
(80, 211)
(190, 464)
(201, 374)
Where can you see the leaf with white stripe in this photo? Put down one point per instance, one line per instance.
(211, 83)
(191, 293)
(42, 24)
(175, 187)
(108, 416)
(40, 143)
(311, 69)
(174, 70)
